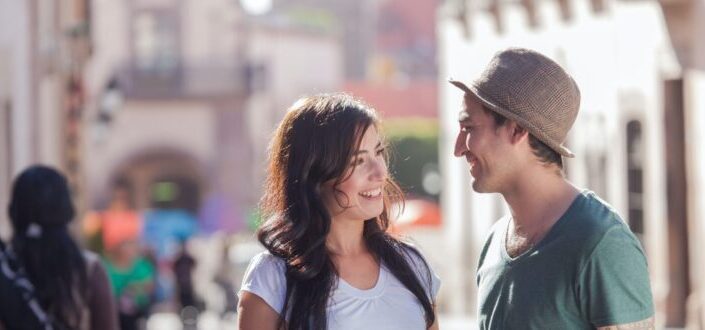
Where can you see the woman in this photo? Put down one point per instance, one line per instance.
(330, 262)
(46, 281)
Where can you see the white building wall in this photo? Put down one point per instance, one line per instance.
(203, 30)
(290, 59)
(15, 38)
(5, 138)
(694, 85)
(110, 37)
(695, 121)
(15, 88)
(30, 91)
(50, 119)
(150, 126)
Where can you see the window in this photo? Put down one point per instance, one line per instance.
(155, 41)
(598, 6)
(531, 15)
(566, 10)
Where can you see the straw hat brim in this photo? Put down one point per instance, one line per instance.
(492, 105)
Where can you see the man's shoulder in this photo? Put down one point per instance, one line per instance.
(590, 214)
(590, 220)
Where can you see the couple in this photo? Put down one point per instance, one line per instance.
(563, 259)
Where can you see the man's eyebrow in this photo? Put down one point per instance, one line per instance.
(463, 116)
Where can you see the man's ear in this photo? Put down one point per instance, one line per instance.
(517, 133)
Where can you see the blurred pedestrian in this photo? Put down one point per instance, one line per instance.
(118, 223)
(184, 265)
(330, 262)
(164, 229)
(225, 279)
(132, 277)
(46, 280)
(563, 258)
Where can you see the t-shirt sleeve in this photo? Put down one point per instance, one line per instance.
(429, 279)
(265, 277)
(614, 283)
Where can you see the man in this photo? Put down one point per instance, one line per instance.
(563, 259)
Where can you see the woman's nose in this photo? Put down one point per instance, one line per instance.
(379, 171)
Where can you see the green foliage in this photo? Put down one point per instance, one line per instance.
(313, 19)
(414, 153)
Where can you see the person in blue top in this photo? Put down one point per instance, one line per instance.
(164, 230)
(562, 258)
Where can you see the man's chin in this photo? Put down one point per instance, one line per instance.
(479, 187)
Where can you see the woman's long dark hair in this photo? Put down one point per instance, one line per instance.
(40, 210)
(314, 144)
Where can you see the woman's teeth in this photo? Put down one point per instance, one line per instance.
(371, 193)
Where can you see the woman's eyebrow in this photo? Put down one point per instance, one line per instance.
(362, 151)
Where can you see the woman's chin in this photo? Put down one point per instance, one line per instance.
(374, 213)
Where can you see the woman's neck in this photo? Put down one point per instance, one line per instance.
(346, 237)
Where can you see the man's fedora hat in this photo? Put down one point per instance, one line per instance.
(532, 90)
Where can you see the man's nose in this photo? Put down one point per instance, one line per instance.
(460, 147)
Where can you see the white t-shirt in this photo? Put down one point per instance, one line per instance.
(388, 305)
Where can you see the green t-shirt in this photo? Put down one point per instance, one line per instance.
(131, 281)
(588, 271)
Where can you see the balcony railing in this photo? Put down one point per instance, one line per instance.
(190, 80)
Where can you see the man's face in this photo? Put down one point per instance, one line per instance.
(484, 145)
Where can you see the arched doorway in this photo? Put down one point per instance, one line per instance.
(162, 179)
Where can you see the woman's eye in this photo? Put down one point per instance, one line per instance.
(358, 161)
(380, 151)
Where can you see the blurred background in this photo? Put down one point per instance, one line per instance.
(160, 112)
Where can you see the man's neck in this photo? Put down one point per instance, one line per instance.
(538, 200)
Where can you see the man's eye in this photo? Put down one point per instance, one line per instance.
(380, 151)
(466, 129)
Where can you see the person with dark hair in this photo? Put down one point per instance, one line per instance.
(132, 278)
(59, 286)
(330, 263)
(562, 258)
(184, 265)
